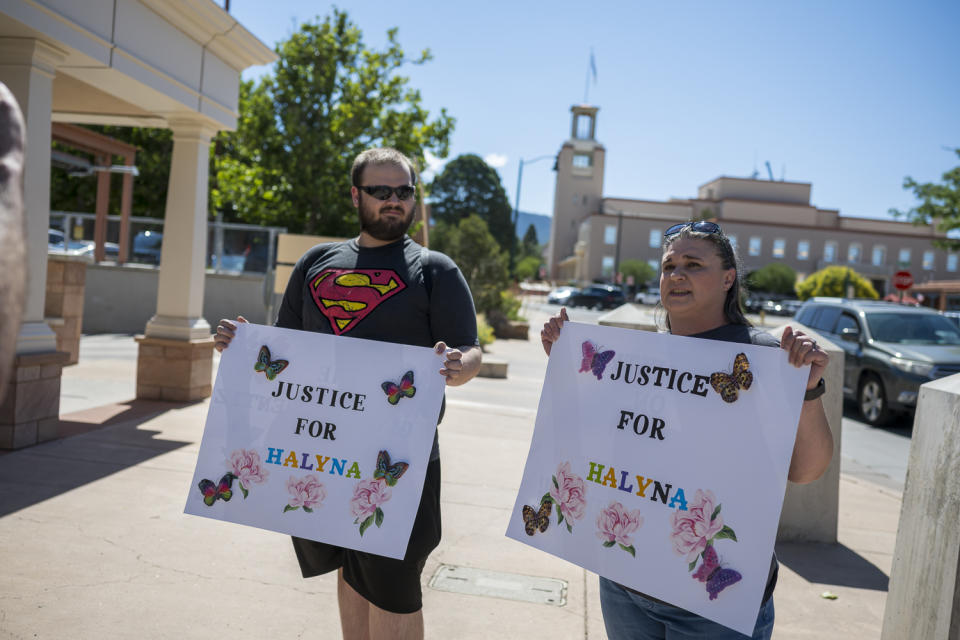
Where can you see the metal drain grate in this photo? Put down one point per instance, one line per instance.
(495, 584)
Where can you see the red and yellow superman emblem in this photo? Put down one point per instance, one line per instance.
(347, 296)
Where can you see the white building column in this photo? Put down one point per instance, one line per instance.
(175, 359)
(31, 404)
(27, 67)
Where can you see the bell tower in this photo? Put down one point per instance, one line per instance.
(579, 190)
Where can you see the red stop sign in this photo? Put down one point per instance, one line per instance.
(902, 280)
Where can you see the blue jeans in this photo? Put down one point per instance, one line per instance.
(628, 616)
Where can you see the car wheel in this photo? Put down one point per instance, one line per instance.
(872, 401)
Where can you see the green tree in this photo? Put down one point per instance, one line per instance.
(832, 281)
(530, 245)
(330, 97)
(528, 268)
(466, 186)
(641, 271)
(775, 277)
(475, 251)
(940, 206)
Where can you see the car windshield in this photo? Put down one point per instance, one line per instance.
(912, 328)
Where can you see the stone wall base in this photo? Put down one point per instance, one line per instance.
(29, 413)
(66, 279)
(174, 370)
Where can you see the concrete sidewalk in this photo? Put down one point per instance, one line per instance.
(95, 543)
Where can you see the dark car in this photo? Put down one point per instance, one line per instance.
(146, 247)
(890, 350)
(597, 296)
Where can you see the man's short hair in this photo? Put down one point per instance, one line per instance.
(382, 155)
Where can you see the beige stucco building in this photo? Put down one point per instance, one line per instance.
(769, 221)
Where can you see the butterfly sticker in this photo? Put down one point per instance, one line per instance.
(594, 359)
(716, 577)
(396, 391)
(270, 367)
(534, 520)
(389, 472)
(728, 384)
(217, 491)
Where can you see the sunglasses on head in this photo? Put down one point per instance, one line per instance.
(383, 192)
(701, 226)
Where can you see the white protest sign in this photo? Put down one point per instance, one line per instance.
(318, 436)
(640, 471)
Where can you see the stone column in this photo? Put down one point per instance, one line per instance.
(31, 405)
(66, 279)
(175, 360)
(924, 596)
(810, 510)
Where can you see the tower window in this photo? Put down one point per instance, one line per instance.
(582, 161)
(583, 127)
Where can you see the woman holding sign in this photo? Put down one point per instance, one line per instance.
(700, 286)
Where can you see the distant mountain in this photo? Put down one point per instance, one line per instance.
(540, 222)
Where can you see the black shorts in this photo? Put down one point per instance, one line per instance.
(392, 585)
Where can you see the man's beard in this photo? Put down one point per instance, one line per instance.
(384, 229)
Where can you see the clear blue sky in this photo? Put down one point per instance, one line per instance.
(851, 96)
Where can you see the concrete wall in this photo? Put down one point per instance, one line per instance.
(924, 596)
(123, 299)
(810, 510)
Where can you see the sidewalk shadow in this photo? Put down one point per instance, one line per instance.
(85, 450)
(832, 564)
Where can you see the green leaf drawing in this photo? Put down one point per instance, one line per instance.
(289, 508)
(366, 524)
(629, 550)
(559, 517)
(693, 564)
(727, 533)
(569, 528)
(554, 478)
(308, 509)
(378, 516)
(609, 543)
(547, 498)
(244, 490)
(716, 512)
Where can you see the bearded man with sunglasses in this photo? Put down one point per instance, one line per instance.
(382, 285)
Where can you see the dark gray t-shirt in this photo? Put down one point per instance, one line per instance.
(381, 293)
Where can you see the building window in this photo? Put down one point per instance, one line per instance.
(656, 237)
(582, 161)
(879, 255)
(803, 250)
(584, 123)
(733, 241)
(779, 247)
(903, 258)
(853, 253)
(610, 234)
(756, 244)
(830, 251)
(607, 267)
(951, 262)
(928, 260)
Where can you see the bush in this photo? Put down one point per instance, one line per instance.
(776, 278)
(484, 333)
(528, 268)
(832, 281)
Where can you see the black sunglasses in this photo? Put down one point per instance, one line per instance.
(701, 226)
(383, 192)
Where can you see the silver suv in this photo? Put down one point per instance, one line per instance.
(890, 350)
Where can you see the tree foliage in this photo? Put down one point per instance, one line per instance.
(530, 245)
(476, 252)
(528, 268)
(939, 206)
(641, 271)
(330, 97)
(832, 281)
(466, 186)
(776, 278)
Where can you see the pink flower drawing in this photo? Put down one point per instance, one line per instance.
(307, 492)
(368, 495)
(245, 465)
(615, 524)
(569, 494)
(695, 527)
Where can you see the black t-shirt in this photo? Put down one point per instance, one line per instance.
(381, 293)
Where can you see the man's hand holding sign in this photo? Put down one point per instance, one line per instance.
(660, 461)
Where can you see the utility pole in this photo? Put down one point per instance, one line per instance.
(516, 210)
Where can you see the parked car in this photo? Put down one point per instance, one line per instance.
(790, 307)
(953, 316)
(649, 296)
(889, 350)
(560, 295)
(598, 296)
(146, 247)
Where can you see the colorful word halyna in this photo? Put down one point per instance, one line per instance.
(661, 490)
(313, 462)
